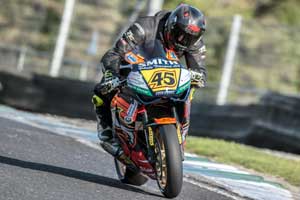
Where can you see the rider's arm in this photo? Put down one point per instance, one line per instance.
(133, 37)
(195, 59)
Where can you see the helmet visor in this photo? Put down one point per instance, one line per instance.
(183, 38)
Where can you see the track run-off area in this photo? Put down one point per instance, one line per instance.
(47, 157)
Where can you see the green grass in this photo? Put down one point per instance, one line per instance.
(245, 156)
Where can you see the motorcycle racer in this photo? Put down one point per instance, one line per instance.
(181, 31)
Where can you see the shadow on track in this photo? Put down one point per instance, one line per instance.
(84, 176)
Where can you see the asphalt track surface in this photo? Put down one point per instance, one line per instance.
(37, 164)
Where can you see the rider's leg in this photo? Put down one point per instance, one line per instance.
(104, 124)
(103, 115)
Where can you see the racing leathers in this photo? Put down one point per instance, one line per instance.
(143, 33)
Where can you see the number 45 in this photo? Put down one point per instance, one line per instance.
(163, 78)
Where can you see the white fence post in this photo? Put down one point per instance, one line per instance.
(84, 71)
(62, 38)
(21, 62)
(154, 6)
(134, 15)
(229, 60)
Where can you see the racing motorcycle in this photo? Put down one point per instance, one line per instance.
(146, 122)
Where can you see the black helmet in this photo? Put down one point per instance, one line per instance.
(184, 27)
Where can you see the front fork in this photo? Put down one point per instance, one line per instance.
(179, 132)
(149, 137)
(149, 129)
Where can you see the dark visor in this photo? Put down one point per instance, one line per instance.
(183, 38)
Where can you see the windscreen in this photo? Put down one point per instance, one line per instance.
(150, 51)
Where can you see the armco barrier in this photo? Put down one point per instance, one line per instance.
(20, 92)
(274, 136)
(273, 123)
(65, 97)
(58, 96)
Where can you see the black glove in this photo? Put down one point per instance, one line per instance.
(108, 83)
(198, 79)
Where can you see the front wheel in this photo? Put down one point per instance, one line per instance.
(168, 161)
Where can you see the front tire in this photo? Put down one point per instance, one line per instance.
(169, 162)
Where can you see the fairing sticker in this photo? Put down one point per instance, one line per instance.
(185, 81)
(162, 79)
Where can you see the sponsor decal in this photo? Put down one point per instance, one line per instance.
(165, 93)
(131, 58)
(159, 62)
(171, 55)
(151, 138)
(185, 76)
(185, 81)
(179, 133)
(141, 90)
(129, 118)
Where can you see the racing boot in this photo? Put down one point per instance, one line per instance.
(105, 134)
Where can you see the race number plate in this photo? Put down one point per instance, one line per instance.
(162, 79)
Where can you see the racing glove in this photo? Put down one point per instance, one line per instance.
(197, 79)
(108, 83)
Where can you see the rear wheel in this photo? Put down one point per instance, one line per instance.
(128, 176)
(169, 162)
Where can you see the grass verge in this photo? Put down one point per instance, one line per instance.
(246, 156)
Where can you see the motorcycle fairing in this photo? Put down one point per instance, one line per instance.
(127, 132)
(159, 81)
(136, 82)
(127, 112)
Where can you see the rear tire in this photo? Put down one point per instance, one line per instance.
(129, 176)
(169, 161)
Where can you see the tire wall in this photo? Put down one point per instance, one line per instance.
(58, 96)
